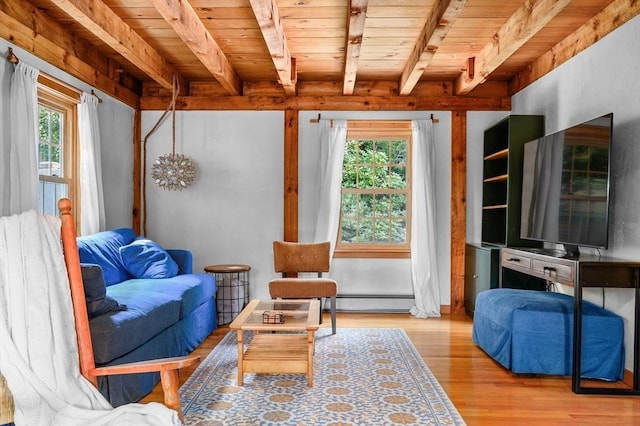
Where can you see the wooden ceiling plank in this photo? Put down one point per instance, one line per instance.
(613, 16)
(316, 35)
(101, 21)
(186, 23)
(268, 17)
(528, 19)
(355, 30)
(57, 47)
(438, 24)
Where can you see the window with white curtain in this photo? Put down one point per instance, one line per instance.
(375, 214)
(57, 136)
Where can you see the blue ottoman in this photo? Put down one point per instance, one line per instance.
(530, 331)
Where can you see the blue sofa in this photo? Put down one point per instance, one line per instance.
(144, 303)
(531, 332)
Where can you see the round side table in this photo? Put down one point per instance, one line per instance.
(232, 293)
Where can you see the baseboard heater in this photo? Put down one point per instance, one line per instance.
(374, 296)
(369, 296)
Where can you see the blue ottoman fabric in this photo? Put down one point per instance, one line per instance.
(530, 331)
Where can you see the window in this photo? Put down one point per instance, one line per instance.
(376, 190)
(57, 124)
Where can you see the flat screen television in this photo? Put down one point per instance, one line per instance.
(565, 186)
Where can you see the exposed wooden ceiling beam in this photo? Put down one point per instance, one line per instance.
(186, 23)
(330, 103)
(355, 30)
(102, 22)
(34, 31)
(268, 17)
(435, 30)
(322, 88)
(530, 18)
(610, 18)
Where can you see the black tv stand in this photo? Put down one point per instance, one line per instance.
(582, 272)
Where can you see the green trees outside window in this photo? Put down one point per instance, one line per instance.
(52, 182)
(50, 129)
(375, 192)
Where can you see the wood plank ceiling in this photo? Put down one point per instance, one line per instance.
(297, 53)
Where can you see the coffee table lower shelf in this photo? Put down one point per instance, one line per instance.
(284, 347)
(274, 354)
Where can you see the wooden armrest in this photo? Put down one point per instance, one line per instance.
(168, 368)
(160, 364)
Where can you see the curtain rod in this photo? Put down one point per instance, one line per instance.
(11, 57)
(317, 120)
(94, 94)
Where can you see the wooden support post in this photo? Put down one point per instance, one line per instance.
(137, 211)
(291, 175)
(458, 207)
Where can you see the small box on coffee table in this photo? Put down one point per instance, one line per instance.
(273, 317)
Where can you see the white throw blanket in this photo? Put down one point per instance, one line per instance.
(38, 350)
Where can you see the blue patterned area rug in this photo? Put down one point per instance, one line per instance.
(362, 376)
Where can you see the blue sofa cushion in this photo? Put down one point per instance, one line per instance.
(103, 248)
(95, 291)
(148, 313)
(144, 258)
(192, 289)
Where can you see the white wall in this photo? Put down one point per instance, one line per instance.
(116, 137)
(603, 79)
(116, 130)
(234, 210)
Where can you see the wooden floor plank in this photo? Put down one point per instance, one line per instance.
(481, 389)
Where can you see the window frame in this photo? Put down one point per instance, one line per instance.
(60, 97)
(380, 130)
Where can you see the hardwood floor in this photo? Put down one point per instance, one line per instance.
(482, 390)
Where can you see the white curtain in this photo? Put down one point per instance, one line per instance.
(23, 151)
(333, 137)
(92, 203)
(424, 266)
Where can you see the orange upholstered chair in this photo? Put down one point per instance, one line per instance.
(290, 259)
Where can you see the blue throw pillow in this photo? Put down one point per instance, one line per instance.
(144, 258)
(95, 292)
(103, 249)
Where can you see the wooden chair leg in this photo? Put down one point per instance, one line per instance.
(170, 385)
(6, 402)
(333, 315)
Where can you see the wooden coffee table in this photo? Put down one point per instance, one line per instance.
(278, 348)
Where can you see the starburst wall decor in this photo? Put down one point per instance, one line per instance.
(173, 172)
